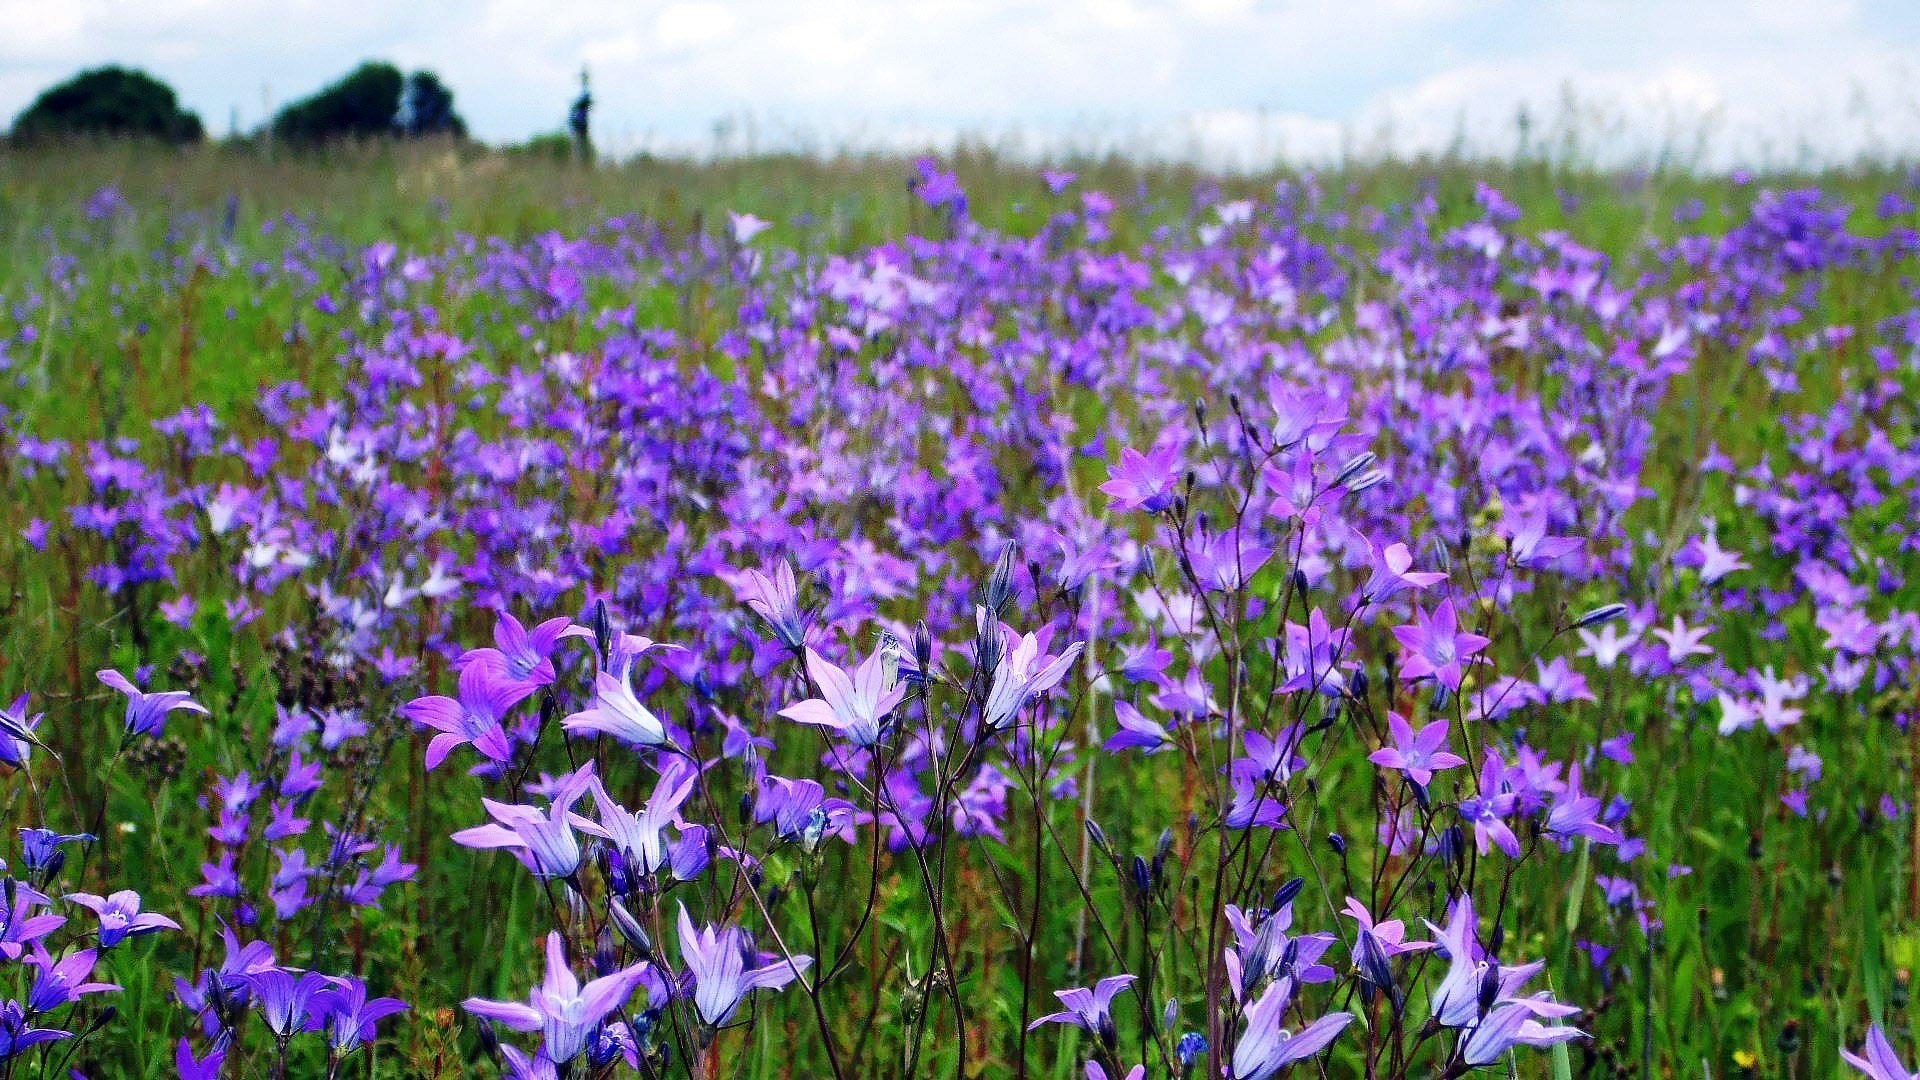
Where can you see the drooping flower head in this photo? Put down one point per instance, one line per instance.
(726, 968)
(563, 1010)
(1089, 1010)
(147, 713)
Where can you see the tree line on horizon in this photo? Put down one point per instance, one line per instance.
(375, 100)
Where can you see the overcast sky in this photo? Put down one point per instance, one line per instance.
(1228, 80)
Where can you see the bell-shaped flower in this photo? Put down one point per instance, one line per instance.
(560, 1008)
(857, 705)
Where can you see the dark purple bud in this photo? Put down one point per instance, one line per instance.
(1372, 478)
(1000, 582)
(1371, 959)
(1489, 987)
(630, 928)
(1142, 877)
(1337, 842)
(923, 650)
(1355, 467)
(602, 628)
(489, 1039)
(1099, 837)
(1286, 893)
(606, 955)
(1601, 614)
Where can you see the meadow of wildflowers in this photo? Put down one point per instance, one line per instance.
(1110, 629)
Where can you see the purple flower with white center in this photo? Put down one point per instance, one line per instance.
(1023, 675)
(640, 838)
(1683, 641)
(1435, 646)
(1266, 1046)
(339, 725)
(17, 1034)
(20, 928)
(348, 1016)
(121, 917)
(474, 718)
(745, 227)
(1316, 657)
(17, 733)
(1297, 494)
(1877, 1059)
(521, 655)
(1393, 573)
(147, 713)
(1608, 645)
(1144, 481)
(1089, 1010)
(726, 968)
(1713, 561)
(286, 996)
(543, 841)
(775, 597)
(1577, 814)
(1146, 663)
(1487, 811)
(1258, 779)
(856, 706)
(1560, 683)
(1526, 533)
(801, 811)
(1419, 754)
(40, 851)
(615, 710)
(1775, 710)
(1509, 1025)
(1136, 732)
(61, 982)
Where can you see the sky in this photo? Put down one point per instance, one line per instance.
(1227, 82)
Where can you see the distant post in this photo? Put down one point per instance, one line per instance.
(577, 120)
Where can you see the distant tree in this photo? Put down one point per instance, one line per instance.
(363, 105)
(108, 102)
(372, 101)
(426, 108)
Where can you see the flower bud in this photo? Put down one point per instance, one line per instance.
(1603, 613)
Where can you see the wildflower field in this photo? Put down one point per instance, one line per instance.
(468, 615)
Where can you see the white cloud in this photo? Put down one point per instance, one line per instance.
(1230, 81)
(693, 26)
